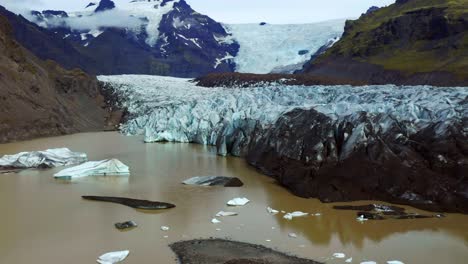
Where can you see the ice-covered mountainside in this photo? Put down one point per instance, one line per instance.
(158, 37)
(338, 143)
(266, 47)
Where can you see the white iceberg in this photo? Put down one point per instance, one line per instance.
(95, 168)
(238, 202)
(361, 218)
(369, 262)
(222, 213)
(113, 257)
(339, 255)
(290, 216)
(272, 211)
(293, 235)
(48, 158)
(394, 262)
(215, 221)
(164, 228)
(350, 260)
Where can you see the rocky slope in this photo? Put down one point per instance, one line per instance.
(40, 98)
(167, 37)
(409, 42)
(337, 143)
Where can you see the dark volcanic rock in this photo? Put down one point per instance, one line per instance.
(357, 159)
(105, 5)
(126, 225)
(216, 251)
(134, 203)
(215, 181)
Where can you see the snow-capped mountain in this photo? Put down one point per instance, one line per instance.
(167, 37)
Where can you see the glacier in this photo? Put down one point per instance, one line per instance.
(176, 110)
(266, 47)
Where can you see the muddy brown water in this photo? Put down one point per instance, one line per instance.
(44, 220)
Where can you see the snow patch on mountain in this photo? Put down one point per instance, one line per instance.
(266, 47)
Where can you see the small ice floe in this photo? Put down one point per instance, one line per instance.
(218, 229)
(165, 228)
(293, 235)
(43, 159)
(222, 213)
(95, 168)
(214, 181)
(394, 262)
(113, 257)
(215, 221)
(283, 212)
(350, 260)
(272, 211)
(369, 262)
(238, 202)
(268, 240)
(290, 216)
(339, 255)
(361, 218)
(318, 214)
(166, 236)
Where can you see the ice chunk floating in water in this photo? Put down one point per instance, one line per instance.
(95, 168)
(43, 159)
(113, 257)
(238, 202)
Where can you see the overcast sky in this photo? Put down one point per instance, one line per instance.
(239, 11)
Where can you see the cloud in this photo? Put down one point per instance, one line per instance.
(112, 18)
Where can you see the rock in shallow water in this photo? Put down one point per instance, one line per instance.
(126, 225)
(214, 181)
(134, 203)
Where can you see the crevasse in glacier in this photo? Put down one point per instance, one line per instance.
(172, 109)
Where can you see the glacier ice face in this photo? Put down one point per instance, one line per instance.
(264, 48)
(173, 109)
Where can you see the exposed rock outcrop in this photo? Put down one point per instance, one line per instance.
(40, 98)
(410, 43)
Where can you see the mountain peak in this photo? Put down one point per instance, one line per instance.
(105, 5)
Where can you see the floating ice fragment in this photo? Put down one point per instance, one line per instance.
(238, 202)
(318, 214)
(272, 211)
(394, 262)
(215, 221)
(369, 262)
(218, 229)
(113, 257)
(293, 235)
(166, 236)
(339, 255)
(290, 216)
(361, 218)
(349, 260)
(164, 228)
(222, 213)
(268, 240)
(96, 168)
(48, 158)
(214, 181)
